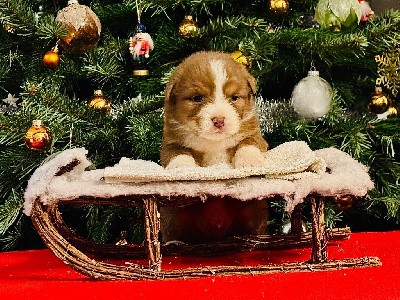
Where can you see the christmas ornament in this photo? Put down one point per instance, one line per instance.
(344, 202)
(393, 110)
(278, 6)
(338, 14)
(140, 46)
(9, 28)
(239, 57)
(83, 27)
(379, 101)
(366, 11)
(122, 240)
(312, 96)
(11, 100)
(51, 59)
(99, 102)
(188, 27)
(38, 137)
(388, 69)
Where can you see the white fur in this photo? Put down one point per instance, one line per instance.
(182, 160)
(248, 156)
(220, 77)
(220, 107)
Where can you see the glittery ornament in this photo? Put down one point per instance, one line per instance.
(379, 101)
(239, 57)
(51, 59)
(338, 14)
(278, 6)
(99, 102)
(83, 27)
(188, 27)
(38, 137)
(312, 96)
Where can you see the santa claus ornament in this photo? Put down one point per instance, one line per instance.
(140, 46)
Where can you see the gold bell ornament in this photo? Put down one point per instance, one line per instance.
(99, 102)
(38, 137)
(83, 26)
(188, 27)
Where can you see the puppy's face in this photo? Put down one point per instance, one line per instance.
(209, 95)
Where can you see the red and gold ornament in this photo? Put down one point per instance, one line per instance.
(38, 137)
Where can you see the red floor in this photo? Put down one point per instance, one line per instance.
(38, 274)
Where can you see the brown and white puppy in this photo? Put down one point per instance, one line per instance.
(210, 118)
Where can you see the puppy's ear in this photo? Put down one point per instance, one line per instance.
(252, 83)
(168, 91)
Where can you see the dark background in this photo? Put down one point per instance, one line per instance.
(378, 6)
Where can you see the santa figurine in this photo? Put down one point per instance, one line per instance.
(366, 11)
(140, 46)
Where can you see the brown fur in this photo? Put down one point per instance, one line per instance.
(216, 218)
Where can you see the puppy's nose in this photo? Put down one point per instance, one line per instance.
(218, 122)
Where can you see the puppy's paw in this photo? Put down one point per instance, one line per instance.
(248, 156)
(182, 160)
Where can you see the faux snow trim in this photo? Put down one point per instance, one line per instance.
(345, 176)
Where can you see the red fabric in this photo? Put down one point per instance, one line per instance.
(38, 274)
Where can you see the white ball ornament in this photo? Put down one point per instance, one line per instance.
(312, 96)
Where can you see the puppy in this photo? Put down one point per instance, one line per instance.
(210, 118)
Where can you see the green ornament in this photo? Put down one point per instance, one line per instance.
(338, 14)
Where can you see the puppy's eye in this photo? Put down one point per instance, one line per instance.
(197, 98)
(235, 97)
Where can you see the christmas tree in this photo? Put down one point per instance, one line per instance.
(54, 73)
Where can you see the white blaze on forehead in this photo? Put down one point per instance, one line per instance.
(220, 77)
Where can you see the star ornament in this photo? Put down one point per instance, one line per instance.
(11, 100)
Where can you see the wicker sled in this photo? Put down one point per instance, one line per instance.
(344, 178)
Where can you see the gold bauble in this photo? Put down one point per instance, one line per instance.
(379, 102)
(83, 27)
(38, 137)
(99, 102)
(51, 59)
(188, 27)
(240, 58)
(278, 6)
